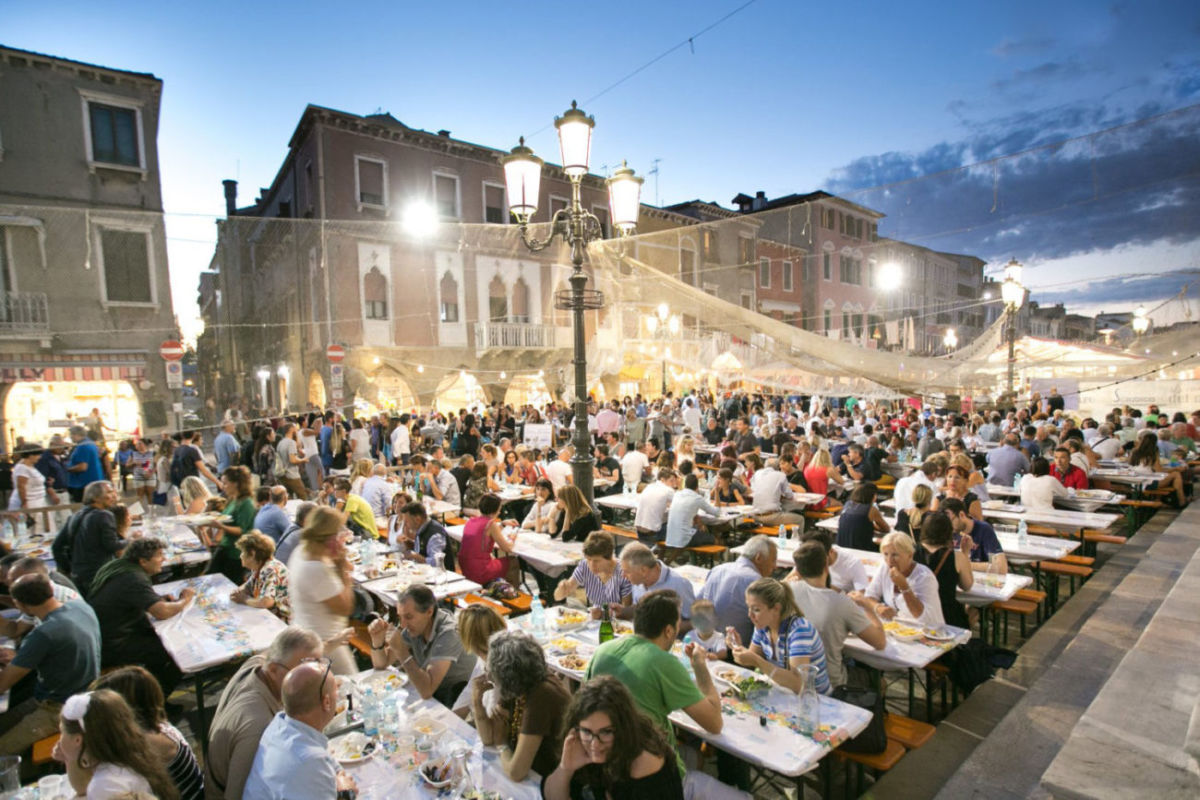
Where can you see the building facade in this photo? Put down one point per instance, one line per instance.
(85, 296)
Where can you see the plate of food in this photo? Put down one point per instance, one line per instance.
(994, 504)
(428, 726)
(622, 628)
(744, 684)
(438, 773)
(37, 552)
(353, 748)
(566, 619)
(564, 645)
(902, 631)
(572, 662)
(482, 794)
(388, 680)
(939, 634)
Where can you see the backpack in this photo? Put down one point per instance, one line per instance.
(280, 467)
(180, 467)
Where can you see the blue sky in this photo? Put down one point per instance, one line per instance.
(784, 96)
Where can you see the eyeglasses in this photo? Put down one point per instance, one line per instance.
(324, 677)
(586, 736)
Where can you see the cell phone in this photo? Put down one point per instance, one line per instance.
(374, 615)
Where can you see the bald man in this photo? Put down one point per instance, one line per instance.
(293, 761)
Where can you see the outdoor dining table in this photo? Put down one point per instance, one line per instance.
(549, 556)
(762, 730)
(1088, 500)
(211, 632)
(1127, 476)
(443, 583)
(393, 774)
(1060, 519)
(980, 594)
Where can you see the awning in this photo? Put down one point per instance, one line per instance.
(97, 366)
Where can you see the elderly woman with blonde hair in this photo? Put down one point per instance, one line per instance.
(902, 587)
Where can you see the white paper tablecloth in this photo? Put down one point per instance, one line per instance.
(388, 589)
(214, 630)
(549, 556)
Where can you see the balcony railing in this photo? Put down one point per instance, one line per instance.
(515, 335)
(24, 312)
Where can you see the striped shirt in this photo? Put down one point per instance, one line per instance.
(600, 592)
(184, 771)
(797, 639)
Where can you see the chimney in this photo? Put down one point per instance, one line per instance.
(230, 197)
(760, 201)
(445, 134)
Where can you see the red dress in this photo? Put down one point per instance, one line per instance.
(817, 479)
(475, 555)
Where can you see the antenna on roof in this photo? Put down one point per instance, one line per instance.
(654, 171)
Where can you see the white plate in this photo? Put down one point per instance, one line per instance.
(939, 634)
(347, 749)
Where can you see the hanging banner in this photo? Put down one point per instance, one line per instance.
(539, 435)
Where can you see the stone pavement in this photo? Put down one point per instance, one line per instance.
(1133, 740)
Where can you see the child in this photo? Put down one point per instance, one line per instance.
(704, 633)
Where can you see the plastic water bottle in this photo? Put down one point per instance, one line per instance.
(1017, 482)
(1022, 534)
(537, 616)
(782, 539)
(370, 713)
(7, 531)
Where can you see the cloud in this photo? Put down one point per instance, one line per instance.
(1120, 292)
(1022, 47)
(1042, 73)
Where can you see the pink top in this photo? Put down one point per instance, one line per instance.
(817, 479)
(475, 555)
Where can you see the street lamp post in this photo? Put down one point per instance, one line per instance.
(1140, 322)
(950, 340)
(662, 324)
(1013, 294)
(577, 227)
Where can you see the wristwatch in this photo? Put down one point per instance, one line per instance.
(347, 794)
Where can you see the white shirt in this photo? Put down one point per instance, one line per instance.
(633, 467)
(309, 445)
(652, 506)
(110, 780)
(902, 494)
(691, 418)
(35, 487)
(1040, 491)
(770, 488)
(401, 441)
(1108, 448)
(685, 505)
(558, 472)
(924, 585)
(847, 574)
(361, 441)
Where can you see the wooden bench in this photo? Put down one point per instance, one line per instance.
(909, 732)
(1056, 570)
(360, 640)
(706, 553)
(519, 604)
(43, 750)
(625, 533)
(1135, 510)
(1022, 608)
(1033, 596)
(878, 763)
(471, 599)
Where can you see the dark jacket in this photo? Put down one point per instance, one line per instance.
(85, 543)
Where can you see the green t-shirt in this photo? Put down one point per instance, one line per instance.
(658, 681)
(243, 512)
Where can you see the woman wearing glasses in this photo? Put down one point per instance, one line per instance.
(612, 750)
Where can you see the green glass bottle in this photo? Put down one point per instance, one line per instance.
(606, 626)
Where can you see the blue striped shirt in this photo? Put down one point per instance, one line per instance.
(599, 592)
(797, 639)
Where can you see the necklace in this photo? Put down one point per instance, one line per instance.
(514, 721)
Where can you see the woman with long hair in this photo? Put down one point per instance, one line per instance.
(575, 517)
(264, 456)
(909, 520)
(359, 473)
(321, 583)
(105, 751)
(612, 749)
(162, 471)
(145, 698)
(821, 472)
(543, 512)
(1144, 458)
(783, 639)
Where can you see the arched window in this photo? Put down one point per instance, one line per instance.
(375, 294)
(497, 300)
(449, 298)
(520, 301)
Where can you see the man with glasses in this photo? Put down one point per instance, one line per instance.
(293, 760)
(250, 700)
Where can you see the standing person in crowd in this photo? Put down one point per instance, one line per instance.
(89, 539)
(783, 639)
(63, 650)
(226, 447)
(599, 575)
(83, 465)
(29, 485)
(834, 615)
(187, 460)
(310, 452)
(525, 717)
(235, 485)
(263, 457)
(425, 646)
(163, 457)
(293, 760)
(141, 462)
(248, 703)
(105, 751)
(321, 583)
(612, 749)
(290, 457)
(124, 599)
(55, 472)
(145, 698)
(401, 441)
(267, 584)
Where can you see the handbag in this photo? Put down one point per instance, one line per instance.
(873, 739)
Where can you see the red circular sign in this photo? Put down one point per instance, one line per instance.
(335, 353)
(171, 350)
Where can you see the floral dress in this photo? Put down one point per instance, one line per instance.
(271, 580)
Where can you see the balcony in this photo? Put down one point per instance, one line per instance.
(24, 313)
(518, 336)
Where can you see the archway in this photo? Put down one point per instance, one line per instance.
(497, 300)
(388, 391)
(316, 389)
(459, 390)
(36, 410)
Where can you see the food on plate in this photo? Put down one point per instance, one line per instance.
(745, 684)
(568, 618)
(564, 644)
(482, 794)
(938, 634)
(352, 747)
(573, 662)
(437, 773)
(622, 628)
(428, 726)
(902, 631)
(388, 681)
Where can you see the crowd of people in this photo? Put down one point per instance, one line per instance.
(89, 665)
